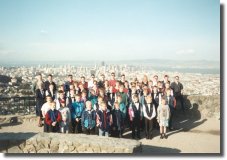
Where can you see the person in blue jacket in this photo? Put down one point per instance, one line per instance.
(88, 119)
(76, 113)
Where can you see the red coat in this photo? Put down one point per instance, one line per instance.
(48, 118)
(85, 85)
(112, 83)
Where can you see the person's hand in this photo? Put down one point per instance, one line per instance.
(77, 119)
(54, 123)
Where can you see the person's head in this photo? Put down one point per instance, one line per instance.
(133, 89)
(50, 78)
(52, 105)
(119, 98)
(51, 86)
(81, 86)
(150, 83)
(155, 89)
(126, 84)
(75, 84)
(117, 84)
(145, 91)
(121, 88)
(82, 79)
(103, 106)
(176, 78)
(123, 77)
(166, 77)
(102, 92)
(163, 101)
(88, 105)
(112, 75)
(149, 99)
(70, 78)
(48, 99)
(94, 82)
(102, 77)
(39, 77)
(145, 79)
(155, 78)
(100, 99)
(92, 77)
(160, 84)
(61, 88)
(84, 94)
(77, 97)
(61, 94)
(116, 105)
(167, 85)
(135, 98)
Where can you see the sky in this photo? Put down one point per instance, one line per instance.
(109, 30)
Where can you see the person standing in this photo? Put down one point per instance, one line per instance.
(177, 88)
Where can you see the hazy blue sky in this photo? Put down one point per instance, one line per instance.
(109, 29)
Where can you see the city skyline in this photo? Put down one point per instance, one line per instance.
(109, 31)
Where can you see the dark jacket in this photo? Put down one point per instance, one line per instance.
(88, 119)
(118, 120)
(104, 124)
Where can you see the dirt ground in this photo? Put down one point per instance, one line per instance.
(189, 136)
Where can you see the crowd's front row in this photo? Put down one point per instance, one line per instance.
(104, 121)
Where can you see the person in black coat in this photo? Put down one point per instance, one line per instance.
(177, 88)
(118, 121)
(40, 100)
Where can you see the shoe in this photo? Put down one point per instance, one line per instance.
(161, 137)
(165, 136)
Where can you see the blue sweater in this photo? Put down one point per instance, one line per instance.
(88, 119)
(77, 109)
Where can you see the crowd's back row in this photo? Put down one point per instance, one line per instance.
(107, 107)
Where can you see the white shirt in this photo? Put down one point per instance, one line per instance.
(145, 113)
(137, 106)
(90, 84)
(45, 108)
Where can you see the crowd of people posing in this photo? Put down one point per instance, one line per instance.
(107, 107)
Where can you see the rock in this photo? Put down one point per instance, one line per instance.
(14, 149)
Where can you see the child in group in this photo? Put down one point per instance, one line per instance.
(122, 106)
(97, 105)
(61, 98)
(66, 118)
(118, 121)
(76, 112)
(111, 97)
(76, 87)
(88, 119)
(92, 97)
(84, 96)
(45, 108)
(135, 116)
(104, 120)
(123, 95)
(149, 114)
(171, 101)
(53, 118)
(51, 91)
(163, 118)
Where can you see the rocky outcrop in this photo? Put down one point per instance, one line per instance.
(61, 143)
(203, 106)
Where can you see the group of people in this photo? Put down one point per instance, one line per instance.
(107, 107)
